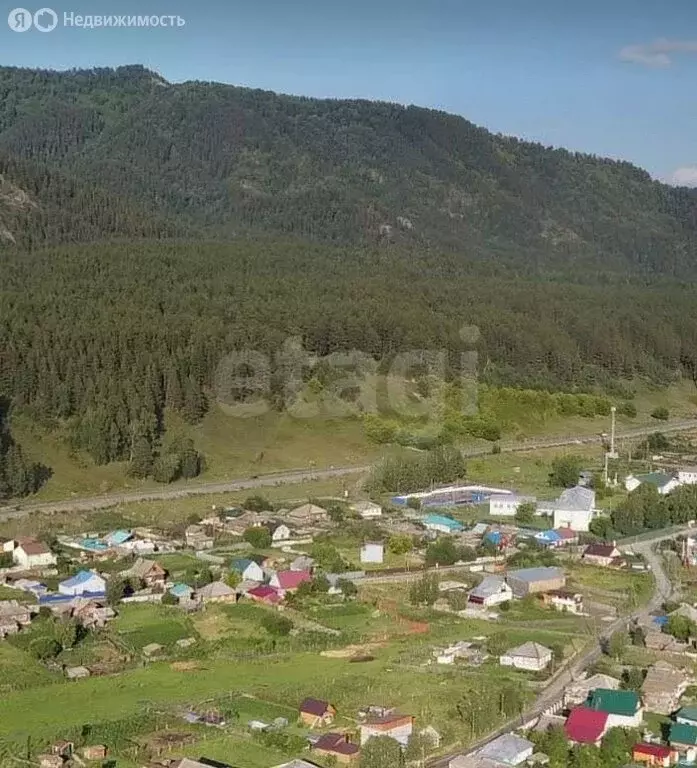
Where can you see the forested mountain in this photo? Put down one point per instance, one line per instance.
(149, 229)
(228, 160)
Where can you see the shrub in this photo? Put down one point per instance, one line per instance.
(276, 625)
(257, 504)
(45, 648)
(259, 538)
(661, 413)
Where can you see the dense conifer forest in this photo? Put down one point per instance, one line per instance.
(148, 229)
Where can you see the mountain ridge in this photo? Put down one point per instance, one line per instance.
(221, 160)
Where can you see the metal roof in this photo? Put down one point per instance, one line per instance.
(539, 573)
(576, 498)
(507, 748)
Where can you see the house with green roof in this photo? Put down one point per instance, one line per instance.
(248, 569)
(687, 716)
(682, 737)
(663, 482)
(623, 708)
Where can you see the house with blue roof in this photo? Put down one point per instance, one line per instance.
(442, 524)
(549, 538)
(181, 591)
(116, 538)
(83, 584)
(248, 569)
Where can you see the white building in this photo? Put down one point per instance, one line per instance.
(574, 508)
(396, 726)
(567, 602)
(460, 650)
(493, 590)
(507, 749)
(662, 481)
(373, 552)
(529, 656)
(368, 510)
(280, 533)
(249, 570)
(687, 476)
(33, 554)
(83, 583)
(506, 504)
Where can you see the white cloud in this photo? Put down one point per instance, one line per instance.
(684, 177)
(656, 54)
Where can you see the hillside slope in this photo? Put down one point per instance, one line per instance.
(230, 160)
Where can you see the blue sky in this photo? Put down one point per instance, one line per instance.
(616, 77)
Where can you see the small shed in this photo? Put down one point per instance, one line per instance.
(373, 552)
(94, 752)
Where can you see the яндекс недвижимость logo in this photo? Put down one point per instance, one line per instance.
(44, 20)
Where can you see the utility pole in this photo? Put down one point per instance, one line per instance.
(611, 454)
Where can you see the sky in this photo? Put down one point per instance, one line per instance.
(611, 77)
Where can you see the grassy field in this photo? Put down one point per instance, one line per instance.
(237, 446)
(623, 589)
(138, 625)
(235, 659)
(234, 447)
(19, 671)
(169, 512)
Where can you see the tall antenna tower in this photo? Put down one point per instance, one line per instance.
(611, 454)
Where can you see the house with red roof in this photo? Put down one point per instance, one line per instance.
(654, 754)
(600, 554)
(567, 536)
(337, 746)
(30, 553)
(264, 594)
(585, 725)
(393, 724)
(315, 712)
(289, 581)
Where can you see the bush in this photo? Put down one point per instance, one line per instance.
(627, 409)
(257, 504)
(169, 599)
(379, 430)
(167, 468)
(276, 625)
(45, 648)
(661, 413)
(457, 599)
(259, 538)
(348, 588)
(442, 552)
(400, 544)
(565, 471)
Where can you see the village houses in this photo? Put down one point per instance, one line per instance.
(30, 553)
(336, 746)
(147, 572)
(308, 515)
(492, 590)
(316, 713)
(396, 726)
(367, 510)
(601, 554)
(530, 656)
(663, 687)
(575, 508)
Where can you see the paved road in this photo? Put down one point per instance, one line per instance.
(553, 692)
(294, 477)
